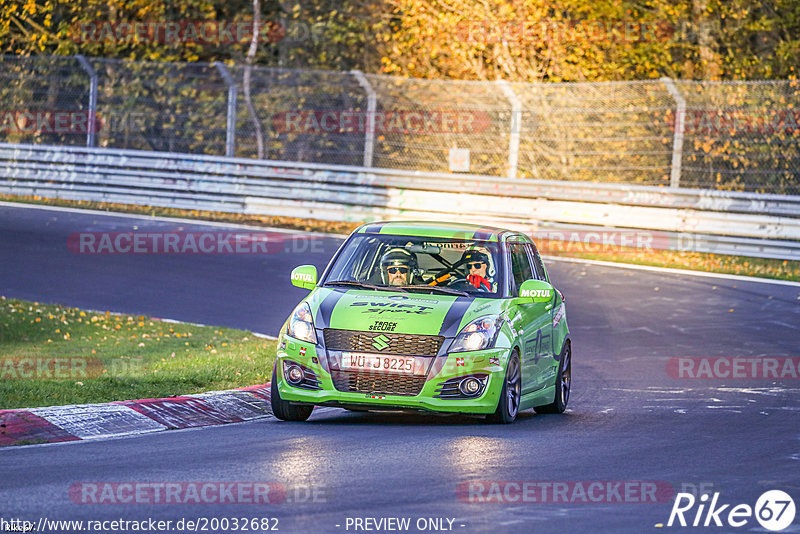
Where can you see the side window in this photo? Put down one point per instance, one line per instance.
(520, 266)
(538, 266)
(534, 270)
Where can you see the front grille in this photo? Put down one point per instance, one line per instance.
(404, 344)
(377, 383)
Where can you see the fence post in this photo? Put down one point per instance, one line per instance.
(677, 144)
(516, 124)
(91, 123)
(369, 134)
(230, 126)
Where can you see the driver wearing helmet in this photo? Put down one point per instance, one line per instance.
(398, 267)
(481, 271)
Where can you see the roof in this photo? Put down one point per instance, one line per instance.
(433, 229)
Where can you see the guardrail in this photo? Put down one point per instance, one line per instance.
(750, 224)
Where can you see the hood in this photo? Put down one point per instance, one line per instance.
(406, 313)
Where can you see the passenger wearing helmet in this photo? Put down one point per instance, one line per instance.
(479, 268)
(398, 267)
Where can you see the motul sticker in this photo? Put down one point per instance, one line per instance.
(545, 293)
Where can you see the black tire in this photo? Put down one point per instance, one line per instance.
(563, 384)
(282, 409)
(510, 395)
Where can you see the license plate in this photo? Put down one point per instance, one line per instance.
(385, 364)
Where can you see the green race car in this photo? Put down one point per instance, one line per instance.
(423, 316)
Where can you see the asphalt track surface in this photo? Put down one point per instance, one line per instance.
(628, 419)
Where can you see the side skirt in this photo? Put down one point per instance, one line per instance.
(538, 398)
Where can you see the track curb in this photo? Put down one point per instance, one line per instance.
(29, 426)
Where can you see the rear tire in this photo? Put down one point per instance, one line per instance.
(282, 409)
(510, 395)
(563, 384)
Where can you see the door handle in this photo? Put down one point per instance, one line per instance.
(549, 307)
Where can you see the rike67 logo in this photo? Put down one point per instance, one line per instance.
(774, 510)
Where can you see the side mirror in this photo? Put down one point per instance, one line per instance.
(535, 291)
(305, 276)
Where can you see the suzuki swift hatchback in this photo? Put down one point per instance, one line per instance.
(424, 316)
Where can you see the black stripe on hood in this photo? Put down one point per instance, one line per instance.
(454, 315)
(325, 310)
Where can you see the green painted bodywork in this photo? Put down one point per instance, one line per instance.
(526, 327)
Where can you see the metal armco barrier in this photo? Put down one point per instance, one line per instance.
(749, 224)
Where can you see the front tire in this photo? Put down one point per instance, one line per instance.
(282, 409)
(510, 395)
(563, 384)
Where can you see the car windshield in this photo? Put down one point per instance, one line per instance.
(411, 263)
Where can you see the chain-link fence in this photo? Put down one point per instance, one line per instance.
(34, 92)
(741, 136)
(160, 106)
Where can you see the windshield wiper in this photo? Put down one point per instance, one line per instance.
(440, 289)
(364, 285)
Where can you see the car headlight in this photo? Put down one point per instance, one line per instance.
(478, 335)
(301, 325)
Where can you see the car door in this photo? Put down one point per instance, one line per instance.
(534, 323)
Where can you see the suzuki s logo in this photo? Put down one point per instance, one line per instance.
(380, 342)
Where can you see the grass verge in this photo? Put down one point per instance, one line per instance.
(54, 355)
(698, 261)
